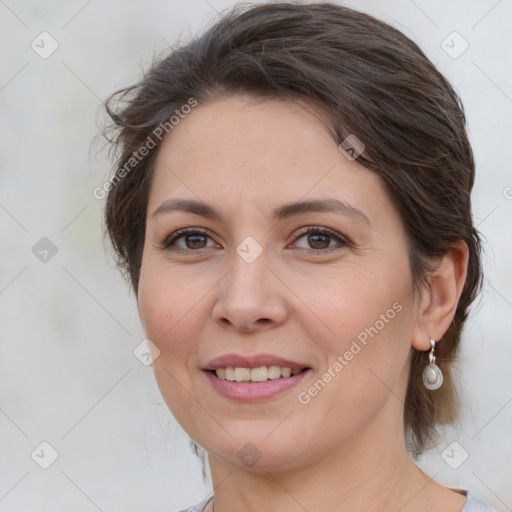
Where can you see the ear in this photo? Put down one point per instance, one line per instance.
(439, 299)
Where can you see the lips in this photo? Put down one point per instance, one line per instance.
(243, 378)
(256, 361)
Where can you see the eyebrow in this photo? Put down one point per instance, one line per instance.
(284, 211)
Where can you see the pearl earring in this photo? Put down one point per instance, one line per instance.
(432, 375)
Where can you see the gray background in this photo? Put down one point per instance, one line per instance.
(69, 326)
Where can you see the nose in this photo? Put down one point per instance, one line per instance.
(250, 298)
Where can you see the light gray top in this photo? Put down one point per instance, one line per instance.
(473, 504)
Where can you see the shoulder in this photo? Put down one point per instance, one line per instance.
(200, 506)
(476, 504)
(473, 504)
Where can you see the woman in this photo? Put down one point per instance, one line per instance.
(291, 203)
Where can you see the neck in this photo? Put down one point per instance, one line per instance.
(372, 473)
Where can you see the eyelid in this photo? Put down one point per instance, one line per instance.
(181, 233)
(306, 230)
(313, 230)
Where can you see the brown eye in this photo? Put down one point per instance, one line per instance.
(321, 240)
(195, 241)
(188, 240)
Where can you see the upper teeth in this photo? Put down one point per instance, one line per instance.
(255, 374)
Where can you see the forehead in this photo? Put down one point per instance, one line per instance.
(242, 152)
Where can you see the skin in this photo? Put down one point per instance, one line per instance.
(345, 449)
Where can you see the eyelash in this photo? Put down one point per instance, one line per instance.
(311, 230)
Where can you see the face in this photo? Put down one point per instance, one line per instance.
(268, 251)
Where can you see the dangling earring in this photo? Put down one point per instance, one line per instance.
(432, 375)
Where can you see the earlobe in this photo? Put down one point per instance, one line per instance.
(440, 298)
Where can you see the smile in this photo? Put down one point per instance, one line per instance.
(260, 374)
(254, 378)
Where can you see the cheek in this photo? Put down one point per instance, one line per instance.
(373, 367)
(168, 300)
(367, 318)
(354, 297)
(166, 312)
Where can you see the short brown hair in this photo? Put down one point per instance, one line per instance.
(375, 83)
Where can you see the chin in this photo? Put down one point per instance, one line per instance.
(252, 451)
